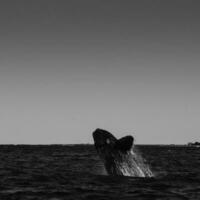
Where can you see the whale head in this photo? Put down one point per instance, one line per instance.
(106, 144)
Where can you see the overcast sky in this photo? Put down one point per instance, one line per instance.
(69, 67)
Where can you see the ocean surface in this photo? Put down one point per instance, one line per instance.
(57, 172)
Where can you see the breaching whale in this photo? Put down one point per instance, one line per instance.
(119, 155)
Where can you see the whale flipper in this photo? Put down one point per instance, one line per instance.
(125, 143)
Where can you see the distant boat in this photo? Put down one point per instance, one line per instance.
(194, 144)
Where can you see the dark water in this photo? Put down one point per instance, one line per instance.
(58, 172)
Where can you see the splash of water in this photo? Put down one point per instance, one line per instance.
(132, 164)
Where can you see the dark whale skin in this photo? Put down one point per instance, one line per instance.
(119, 156)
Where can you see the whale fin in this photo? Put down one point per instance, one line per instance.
(124, 143)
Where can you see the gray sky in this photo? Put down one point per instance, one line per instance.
(130, 67)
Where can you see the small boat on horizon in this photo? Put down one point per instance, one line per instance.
(194, 144)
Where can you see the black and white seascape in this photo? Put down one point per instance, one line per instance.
(99, 99)
(59, 172)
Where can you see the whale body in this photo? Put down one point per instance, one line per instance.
(119, 155)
